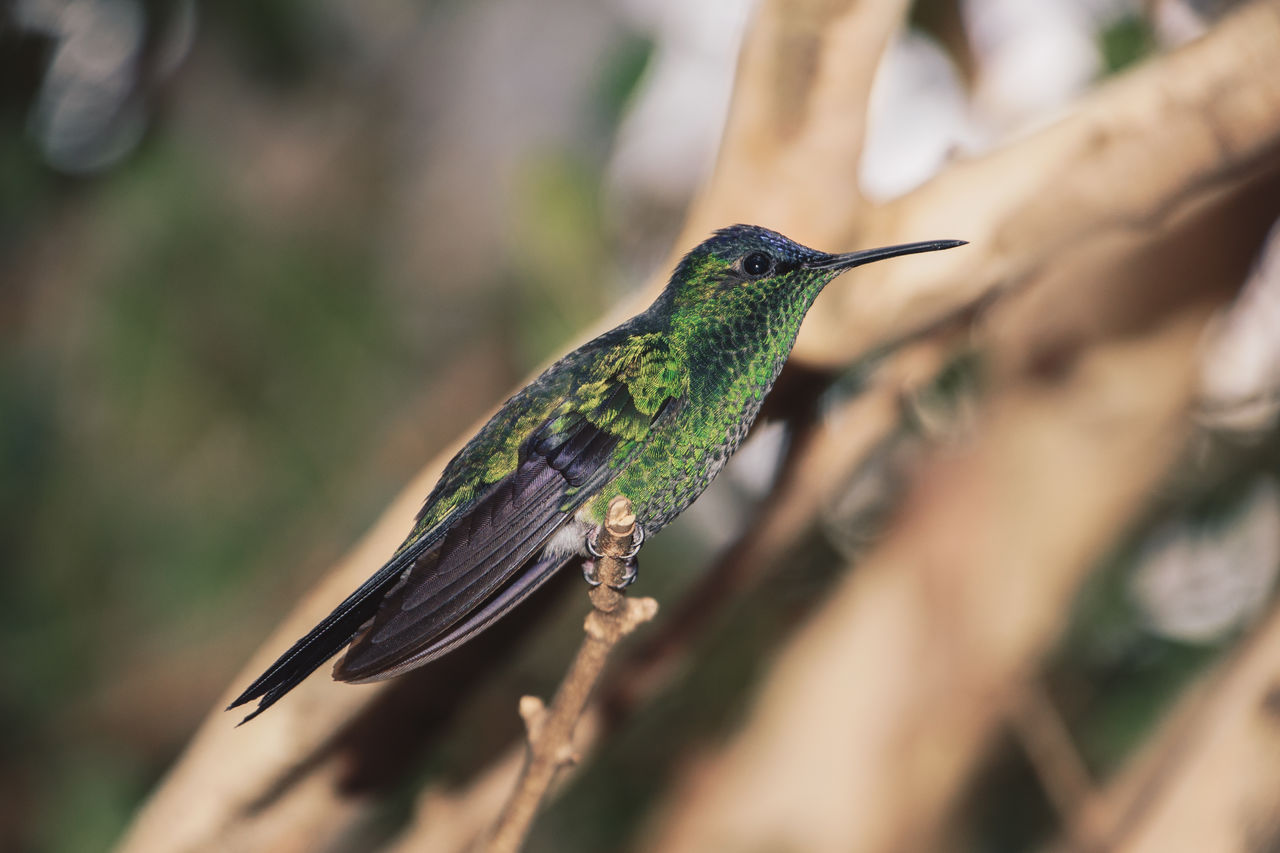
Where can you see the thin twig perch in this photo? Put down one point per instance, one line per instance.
(550, 732)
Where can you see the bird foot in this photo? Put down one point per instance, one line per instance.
(629, 561)
(637, 539)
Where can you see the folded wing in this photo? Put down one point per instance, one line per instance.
(478, 571)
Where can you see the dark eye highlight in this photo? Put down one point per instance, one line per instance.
(757, 263)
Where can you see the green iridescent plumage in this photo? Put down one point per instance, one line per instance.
(651, 409)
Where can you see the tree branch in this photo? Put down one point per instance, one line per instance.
(1128, 157)
(550, 732)
(797, 122)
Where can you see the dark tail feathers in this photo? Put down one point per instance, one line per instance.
(326, 639)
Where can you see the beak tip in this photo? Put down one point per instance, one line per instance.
(853, 259)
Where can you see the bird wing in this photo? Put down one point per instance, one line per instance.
(483, 565)
(460, 568)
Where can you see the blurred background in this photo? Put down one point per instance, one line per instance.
(259, 261)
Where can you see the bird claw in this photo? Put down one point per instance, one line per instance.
(632, 566)
(632, 571)
(637, 539)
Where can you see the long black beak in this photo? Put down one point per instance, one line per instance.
(848, 260)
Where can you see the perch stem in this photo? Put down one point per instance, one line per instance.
(550, 731)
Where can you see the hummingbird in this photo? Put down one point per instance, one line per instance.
(651, 409)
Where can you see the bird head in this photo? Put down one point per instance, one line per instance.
(748, 265)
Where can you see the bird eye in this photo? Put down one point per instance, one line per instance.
(757, 263)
